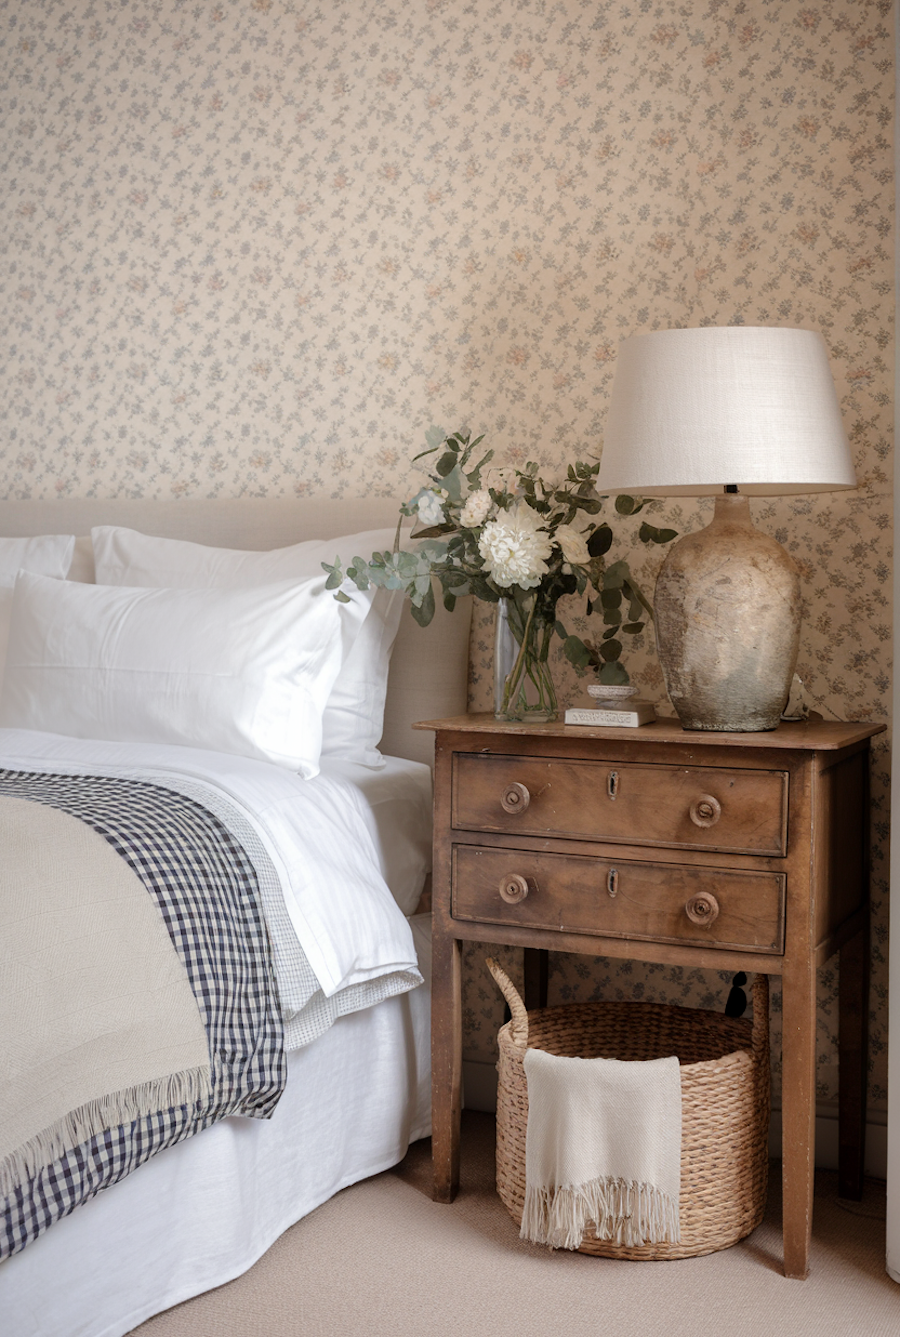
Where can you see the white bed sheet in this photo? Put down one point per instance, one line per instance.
(202, 1212)
(317, 834)
(396, 804)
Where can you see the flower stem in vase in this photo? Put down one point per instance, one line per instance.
(523, 685)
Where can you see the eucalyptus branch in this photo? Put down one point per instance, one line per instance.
(503, 533)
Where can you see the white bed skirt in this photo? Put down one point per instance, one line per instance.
(202, 1212)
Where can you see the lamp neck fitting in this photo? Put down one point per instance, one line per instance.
(732, 508)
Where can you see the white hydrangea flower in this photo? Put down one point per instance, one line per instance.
(573, 544)
(429, 504)
(476, 509)
(516, 548)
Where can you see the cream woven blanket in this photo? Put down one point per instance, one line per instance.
(117, 1031)
(603, 1149)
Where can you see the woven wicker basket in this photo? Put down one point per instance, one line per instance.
(724, 1105)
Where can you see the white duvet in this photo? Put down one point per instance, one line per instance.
(316, 835)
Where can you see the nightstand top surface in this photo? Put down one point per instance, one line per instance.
(807, 735)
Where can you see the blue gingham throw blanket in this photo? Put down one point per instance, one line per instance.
(205, 889)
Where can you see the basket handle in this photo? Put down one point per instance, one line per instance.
(760, 1040)
(518, 1026)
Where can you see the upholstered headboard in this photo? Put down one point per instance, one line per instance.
(429, 667)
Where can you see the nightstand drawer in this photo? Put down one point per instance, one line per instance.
(691, 807)
(716, 907)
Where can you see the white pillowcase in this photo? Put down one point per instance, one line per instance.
(46, 554)
(240, 671)
(354, 716)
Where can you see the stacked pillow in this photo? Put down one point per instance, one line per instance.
(354, 712)
(241, 652)
(48, 555)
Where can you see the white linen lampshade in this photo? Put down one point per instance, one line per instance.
(693, 412)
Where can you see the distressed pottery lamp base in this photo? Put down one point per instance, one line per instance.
(727, 613)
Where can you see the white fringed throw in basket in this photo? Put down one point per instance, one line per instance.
(602, 1149)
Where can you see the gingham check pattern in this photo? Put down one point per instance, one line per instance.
(206, 889)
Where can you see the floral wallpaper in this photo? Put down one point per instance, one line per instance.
(258, 247)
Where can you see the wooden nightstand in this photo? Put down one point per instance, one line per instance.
(723, 851)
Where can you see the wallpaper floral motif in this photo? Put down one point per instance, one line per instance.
(258, 247)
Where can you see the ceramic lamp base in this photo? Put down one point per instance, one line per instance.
(727, 614)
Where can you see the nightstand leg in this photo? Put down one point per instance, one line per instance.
(446, 1066)
(798, 1114)
(537, 970)
(853, 1071)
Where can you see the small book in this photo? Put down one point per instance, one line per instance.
(628, 715)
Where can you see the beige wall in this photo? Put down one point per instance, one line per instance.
(259, 246)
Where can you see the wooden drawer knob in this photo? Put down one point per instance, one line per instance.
(705, 810)
(515, 798)
(513, 888)
(702, 909)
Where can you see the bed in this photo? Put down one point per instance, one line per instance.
(356, 1086)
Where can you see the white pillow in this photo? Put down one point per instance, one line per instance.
(240, 671)
(46, 554)
(354, 716)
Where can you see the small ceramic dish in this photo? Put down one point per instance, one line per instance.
(620, 692)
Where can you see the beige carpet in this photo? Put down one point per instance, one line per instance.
(382, 1259)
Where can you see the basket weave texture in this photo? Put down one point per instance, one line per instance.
(724, 1105)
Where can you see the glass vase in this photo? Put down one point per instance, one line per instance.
(523, 685)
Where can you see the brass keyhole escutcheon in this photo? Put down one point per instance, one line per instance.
(515, 798)
(705, 810)
(702, 909)
(513, 888)
(612, 882)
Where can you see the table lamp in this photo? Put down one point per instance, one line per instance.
(733, 412)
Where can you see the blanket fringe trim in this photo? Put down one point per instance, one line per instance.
(78, 1126)
(625, 1213)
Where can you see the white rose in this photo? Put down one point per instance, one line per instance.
(429, 504)
(476, 509)
(502, 478)
(573, 544)
(516, 548)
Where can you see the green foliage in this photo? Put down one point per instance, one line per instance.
(448, 552)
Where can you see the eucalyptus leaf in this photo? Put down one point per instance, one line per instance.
(615, 576)
(613, 674)
(650, 534)
(446, 463)
(600, 541)
(576, 652)
(453, 482)
(435, 436)
(453, 578)
(635, 593)
(423, 612)
(358, 573)
(474, 475)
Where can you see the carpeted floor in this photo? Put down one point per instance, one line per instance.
(382, 1260)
